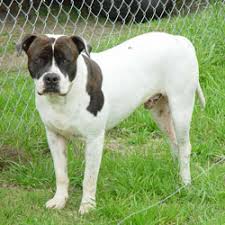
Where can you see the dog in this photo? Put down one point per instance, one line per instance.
(83, 94)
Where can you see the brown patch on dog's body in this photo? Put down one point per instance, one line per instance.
(94, 85)
(152, 101)
(160, 110)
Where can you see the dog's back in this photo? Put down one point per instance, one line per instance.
(149, 64)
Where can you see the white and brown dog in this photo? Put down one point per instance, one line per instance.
(83, 94)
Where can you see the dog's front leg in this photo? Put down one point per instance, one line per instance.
(93, 156)
(57, 145)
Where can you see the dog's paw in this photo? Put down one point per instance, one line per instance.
(86, 207)
(58, 202)
(187, 182)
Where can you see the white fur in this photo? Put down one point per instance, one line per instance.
(133, 71)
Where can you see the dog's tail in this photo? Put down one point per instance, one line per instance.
(201, 96)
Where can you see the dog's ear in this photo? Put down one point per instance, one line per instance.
(25, 43)
(81, 45)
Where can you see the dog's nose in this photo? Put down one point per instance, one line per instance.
(51, 78)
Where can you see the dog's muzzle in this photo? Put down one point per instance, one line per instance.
(51, 83)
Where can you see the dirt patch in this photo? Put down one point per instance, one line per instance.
(9, 155)
(122, 146)
(116, 145)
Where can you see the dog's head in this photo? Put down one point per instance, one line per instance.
(52, 61)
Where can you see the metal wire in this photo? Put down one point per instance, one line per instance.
(101, 22)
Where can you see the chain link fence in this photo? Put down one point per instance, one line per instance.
(103, 23)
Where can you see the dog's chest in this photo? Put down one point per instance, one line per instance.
(70, 118)
(64, 119)
(62, 124)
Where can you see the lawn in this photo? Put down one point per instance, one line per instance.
(137, 169)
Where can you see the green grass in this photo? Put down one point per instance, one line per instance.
(137, 169)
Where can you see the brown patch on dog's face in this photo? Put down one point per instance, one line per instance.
(65, 54)
(42, 49)
(40, 55)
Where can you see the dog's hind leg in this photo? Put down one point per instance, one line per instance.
(181, 106)
(159, 107)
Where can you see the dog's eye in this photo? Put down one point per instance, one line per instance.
(66, 61)
(37, 60)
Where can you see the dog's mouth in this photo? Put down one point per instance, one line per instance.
(51, 92)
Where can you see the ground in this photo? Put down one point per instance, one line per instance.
(137, 169)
